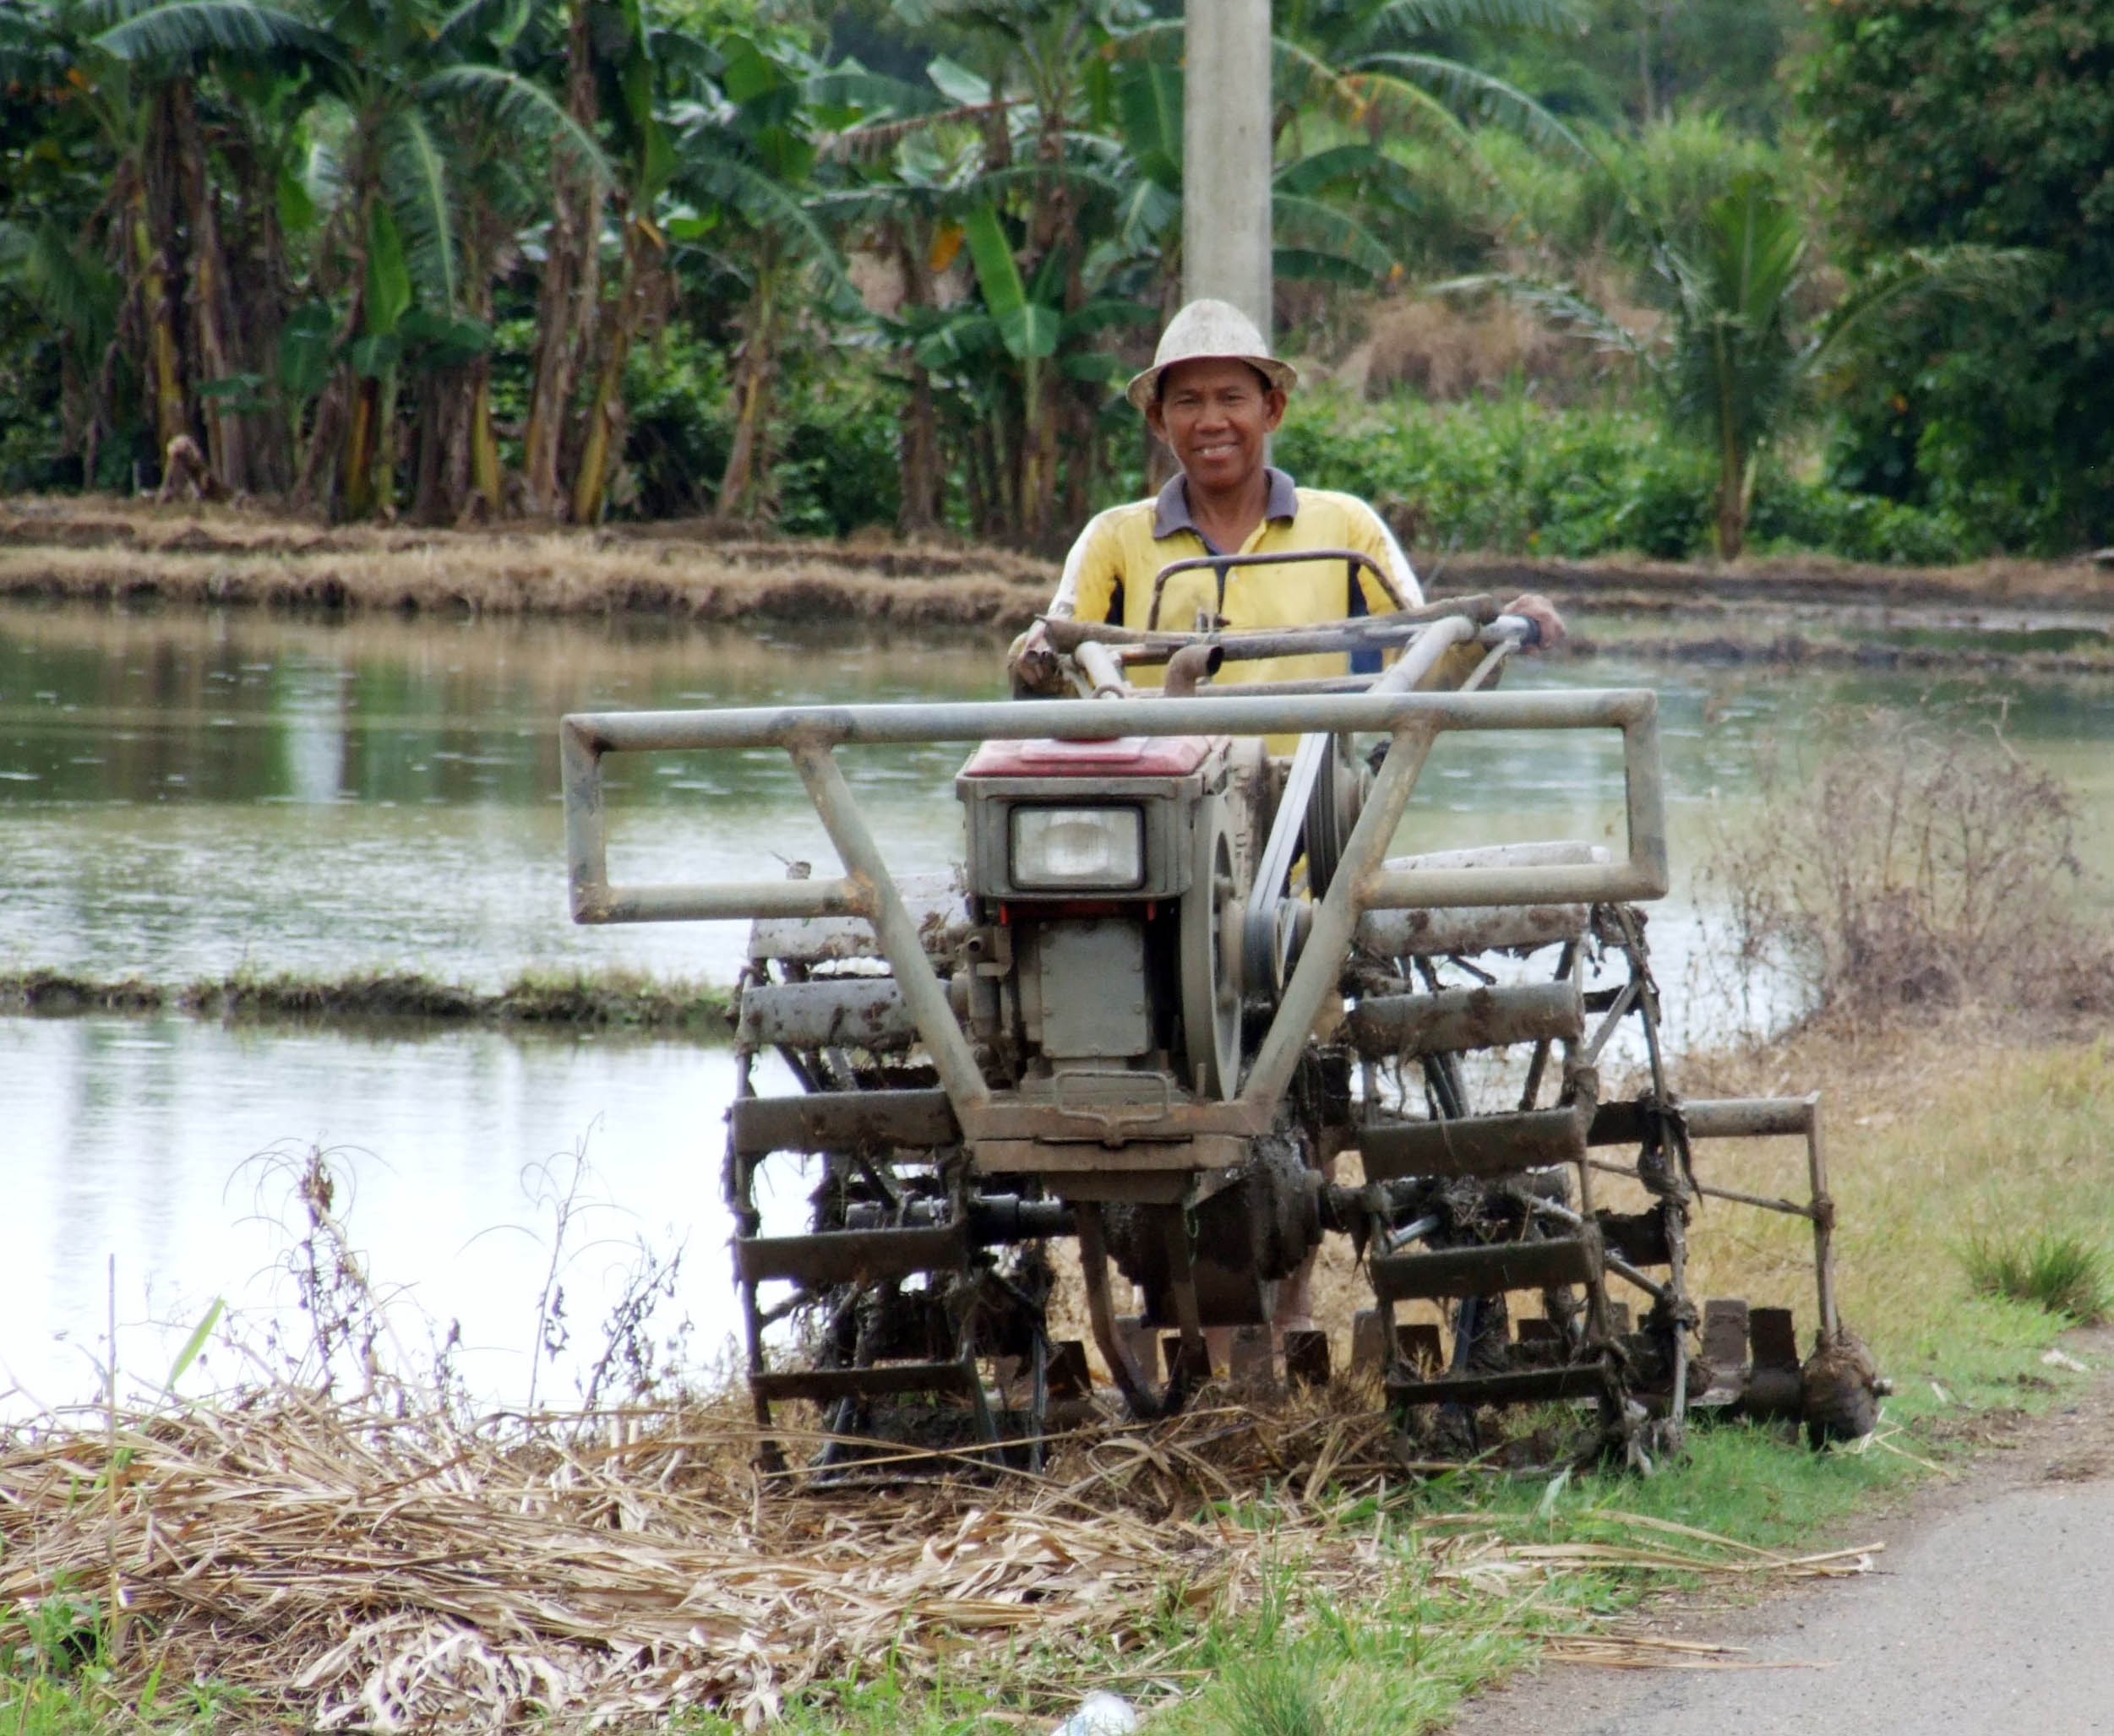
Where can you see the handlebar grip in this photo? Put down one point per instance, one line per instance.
(1522, 629)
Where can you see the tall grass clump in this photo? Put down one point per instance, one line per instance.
(1907, 869)
(2056, 1271)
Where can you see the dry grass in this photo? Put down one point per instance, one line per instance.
(1448, 350)
(1917, 869)
(361, 1570)
(110, 549)
(220, 555)
(1635, 581)
(1934, 1131)
(390, 1563)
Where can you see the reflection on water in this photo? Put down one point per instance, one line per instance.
(188, 795)
(192, 794)
(172, 1144)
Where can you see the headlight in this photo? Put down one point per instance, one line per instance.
(1078, 849)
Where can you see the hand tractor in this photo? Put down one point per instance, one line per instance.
(1176, 981)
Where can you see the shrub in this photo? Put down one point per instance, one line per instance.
(2062, 1273)
(1913, 871)
(1514, 475)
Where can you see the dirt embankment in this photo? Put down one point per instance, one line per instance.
(613, 1001)
(122, 552)
(1762, 610)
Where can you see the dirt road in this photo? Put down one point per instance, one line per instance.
(1991, 1613)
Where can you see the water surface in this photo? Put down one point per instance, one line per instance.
(186, 795)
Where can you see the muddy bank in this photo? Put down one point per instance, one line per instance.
(1758, 610)
(614, 1002)
(1634, 582)
(682, 571)
(2087, 653)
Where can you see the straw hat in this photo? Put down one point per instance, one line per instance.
(1209, 330)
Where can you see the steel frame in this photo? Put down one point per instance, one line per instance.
(810, 735)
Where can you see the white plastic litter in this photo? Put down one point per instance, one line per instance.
(1100, 1714)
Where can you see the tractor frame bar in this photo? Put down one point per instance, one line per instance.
(810, 734)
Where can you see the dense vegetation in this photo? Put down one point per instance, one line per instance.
(1586, 274)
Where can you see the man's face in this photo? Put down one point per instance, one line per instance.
(1216, 415)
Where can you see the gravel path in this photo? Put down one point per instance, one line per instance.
(1991, 1615)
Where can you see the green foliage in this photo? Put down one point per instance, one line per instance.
(1637, 61)
(1952, 123)
(1737, 364)
(1513, 476)
(1674, 168)
(835, 439)
(836, 467)
(2058, 1270)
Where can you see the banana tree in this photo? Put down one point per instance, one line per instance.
(1317, 198)
(745, 164)
(644, 163)
(125, 115)
(413, 86)
(79, 298)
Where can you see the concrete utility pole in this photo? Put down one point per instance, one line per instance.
(1226, 155)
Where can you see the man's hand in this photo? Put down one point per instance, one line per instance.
(1032, 662)
(1542, 612)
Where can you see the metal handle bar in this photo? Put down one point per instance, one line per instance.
(1220, 564)
(810, 733)
(818, 729)
(1134, 644)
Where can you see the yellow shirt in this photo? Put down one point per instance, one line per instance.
(1108, 575)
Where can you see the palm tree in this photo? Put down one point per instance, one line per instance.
(1735, 365)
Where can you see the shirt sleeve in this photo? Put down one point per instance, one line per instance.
(1092, 571)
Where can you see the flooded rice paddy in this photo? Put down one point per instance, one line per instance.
(188, 795)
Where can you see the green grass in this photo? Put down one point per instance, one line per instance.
(58, 1677)
(2063, 1273)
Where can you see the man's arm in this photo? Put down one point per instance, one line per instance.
(1084, 593)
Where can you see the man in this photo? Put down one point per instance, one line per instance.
(1213, 395)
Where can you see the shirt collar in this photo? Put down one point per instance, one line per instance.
(1171, 514)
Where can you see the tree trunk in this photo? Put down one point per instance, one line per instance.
(484, 444)
(260, 290)
(313, 480)
(429, 492)
(1732, 493)
(1038, 457)
(637, 305)
(566, 297)
(213, 326)
(740, 489)
(917, 445)
(355, 480)
(919, 450)
(164, 376)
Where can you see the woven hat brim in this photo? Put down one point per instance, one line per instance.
(1281, 374)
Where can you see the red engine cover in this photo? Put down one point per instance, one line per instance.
(1118, 756)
